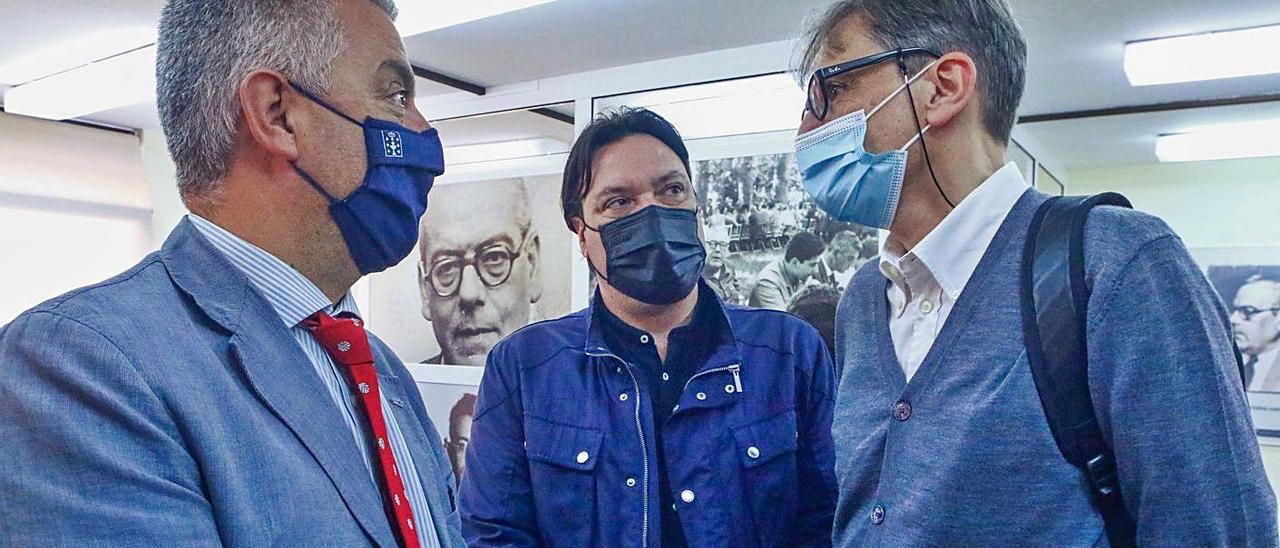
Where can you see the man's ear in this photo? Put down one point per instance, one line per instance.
(264, 104)
(580, 228)
(424, 288)
(955, 79)
(533, 252)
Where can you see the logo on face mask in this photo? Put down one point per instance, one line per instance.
(392, 147)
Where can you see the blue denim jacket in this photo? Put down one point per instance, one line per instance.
(562, 448)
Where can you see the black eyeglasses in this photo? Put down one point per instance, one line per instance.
(493, 264)
(1249, 312)
(818, 103)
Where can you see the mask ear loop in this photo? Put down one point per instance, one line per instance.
(314, 184)
(307, 176)
(591, 265)
(902, 65)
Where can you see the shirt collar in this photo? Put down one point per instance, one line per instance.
(709, 317)
(289, 293)
(951, 252)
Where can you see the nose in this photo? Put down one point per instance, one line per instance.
(414, 119)
(470, 288)
(808, 122)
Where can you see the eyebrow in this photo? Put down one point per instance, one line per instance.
(611, 191)
(401, 70)
(673, 174)
(499, 239)
(624, 189)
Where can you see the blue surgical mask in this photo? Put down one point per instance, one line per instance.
(653, 255)
(849, 183)
(379, 220)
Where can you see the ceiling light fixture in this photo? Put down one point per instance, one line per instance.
(120, 81)
(1221, 142)
(1211, 56)
(716, 109)
(504, 150)
(423, 16)
(74, 53)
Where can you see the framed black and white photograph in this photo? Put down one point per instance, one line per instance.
(492, 257)
(1248, 280)
(449, 394)
(768, 243)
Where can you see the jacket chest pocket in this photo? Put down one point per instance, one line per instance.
(767, 453)
(562, 464)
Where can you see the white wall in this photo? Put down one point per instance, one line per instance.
(1229, 203)
(74, 209)
(162, 184)
(1221, 204)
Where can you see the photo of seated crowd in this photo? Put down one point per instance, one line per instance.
(770, 247)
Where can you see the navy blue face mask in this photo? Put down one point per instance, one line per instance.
(653, 255)
(379, 220)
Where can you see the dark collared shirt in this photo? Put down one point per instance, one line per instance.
(688, 348)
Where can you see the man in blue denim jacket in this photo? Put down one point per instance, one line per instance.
(658, 415)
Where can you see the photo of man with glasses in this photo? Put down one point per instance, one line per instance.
(480, 268)
(1254, 302)
(461, 416)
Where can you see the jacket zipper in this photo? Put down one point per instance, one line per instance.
(644, 446)
(735, 369)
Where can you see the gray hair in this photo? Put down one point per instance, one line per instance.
(983, 29)
(205, 50)
(1267, 279)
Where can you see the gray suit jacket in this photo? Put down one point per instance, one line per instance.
(169, 406)
(1272, 381)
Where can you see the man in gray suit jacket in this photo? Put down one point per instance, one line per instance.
(1255, 318)
(200, 399)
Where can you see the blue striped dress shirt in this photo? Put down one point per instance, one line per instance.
(295, 298)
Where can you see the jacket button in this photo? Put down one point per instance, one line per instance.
(902, 411)
(622, 396)
(686, 496)
(583, 457)
(702, 396)
(631, 482)
(753, 452)
(877, 515)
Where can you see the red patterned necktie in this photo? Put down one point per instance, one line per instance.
(347, 343)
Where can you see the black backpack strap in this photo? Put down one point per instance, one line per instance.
(1054, 312)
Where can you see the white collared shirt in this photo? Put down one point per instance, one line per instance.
(927, 280)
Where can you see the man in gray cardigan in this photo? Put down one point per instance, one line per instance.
(940, 435)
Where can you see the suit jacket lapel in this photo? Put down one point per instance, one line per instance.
(1272, 381)
(278, 371)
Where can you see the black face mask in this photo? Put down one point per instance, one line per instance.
(653, 255)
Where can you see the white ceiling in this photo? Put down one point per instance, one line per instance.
(570, 36)
(1075, 60)
(1131, 139)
